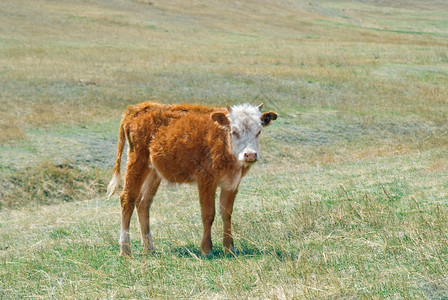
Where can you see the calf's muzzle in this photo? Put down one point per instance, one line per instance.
(250, 157)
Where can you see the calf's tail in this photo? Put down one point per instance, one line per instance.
(113, 184)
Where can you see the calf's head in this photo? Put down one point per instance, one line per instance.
(245, 123)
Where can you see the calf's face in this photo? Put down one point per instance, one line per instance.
(246, 123)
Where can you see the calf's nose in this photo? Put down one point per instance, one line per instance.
(250, 157)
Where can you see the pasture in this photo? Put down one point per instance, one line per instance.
(349, 199)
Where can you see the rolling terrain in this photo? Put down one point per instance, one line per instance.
(349, 200)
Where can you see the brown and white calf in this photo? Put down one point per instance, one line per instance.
(214, 147)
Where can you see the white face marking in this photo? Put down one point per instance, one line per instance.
(245, 126)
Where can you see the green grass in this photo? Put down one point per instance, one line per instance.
(407, 32)
(319, 233)
(348, 201)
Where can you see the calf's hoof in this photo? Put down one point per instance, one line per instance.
(147, 251)
(206, 248)
(207, 253)
(125, 250)
(232, 251)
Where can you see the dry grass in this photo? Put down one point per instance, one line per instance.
(93, 59)
(48, 183)
(355, 230)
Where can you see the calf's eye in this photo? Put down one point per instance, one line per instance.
(258, 134)
(235, 134)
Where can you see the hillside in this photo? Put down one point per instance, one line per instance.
(349, 199)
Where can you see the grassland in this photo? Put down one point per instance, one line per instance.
(350, 199)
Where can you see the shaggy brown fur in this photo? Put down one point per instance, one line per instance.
(152, 116)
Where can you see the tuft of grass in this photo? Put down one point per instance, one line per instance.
(47, 183)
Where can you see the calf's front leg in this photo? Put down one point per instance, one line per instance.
(207, 192)
(226, 201)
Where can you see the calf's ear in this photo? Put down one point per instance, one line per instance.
(267, 117)
(220, 118)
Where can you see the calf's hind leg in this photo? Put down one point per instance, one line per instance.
(148, 190)
(135, 173)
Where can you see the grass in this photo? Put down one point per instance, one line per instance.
(335, 235)
(48, 183)
(348, 201)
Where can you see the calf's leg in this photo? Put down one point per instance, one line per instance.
(135, 173)
(207, 192)
(127, 200)
(226, 201)
(148, 190)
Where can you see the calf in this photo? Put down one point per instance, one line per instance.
(183, 144)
